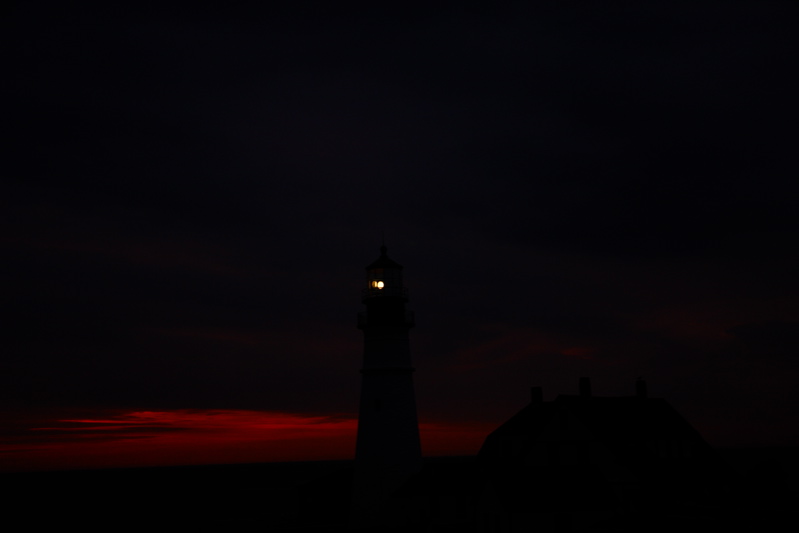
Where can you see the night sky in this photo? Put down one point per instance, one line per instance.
(189, 199)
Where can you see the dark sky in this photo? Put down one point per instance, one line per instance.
(610, 190)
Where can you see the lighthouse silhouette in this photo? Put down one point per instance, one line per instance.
(387, 451)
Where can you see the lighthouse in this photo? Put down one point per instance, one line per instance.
(387, 450)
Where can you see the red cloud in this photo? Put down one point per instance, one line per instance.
(186, 436)
(151, 438)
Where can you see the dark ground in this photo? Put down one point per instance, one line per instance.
(266, 497)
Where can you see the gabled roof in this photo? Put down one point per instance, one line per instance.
(608, 418)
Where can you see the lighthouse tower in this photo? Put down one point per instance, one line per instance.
(387, 451)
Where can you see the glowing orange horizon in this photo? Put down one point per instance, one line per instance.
(186, 436)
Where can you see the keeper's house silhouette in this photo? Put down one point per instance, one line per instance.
(581, 460)
(578, 463)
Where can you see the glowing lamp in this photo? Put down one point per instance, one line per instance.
(384, 278)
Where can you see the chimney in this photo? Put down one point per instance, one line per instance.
(640, 388)
(585, 388)
(536, 395)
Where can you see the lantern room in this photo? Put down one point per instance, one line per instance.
(384, 278)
